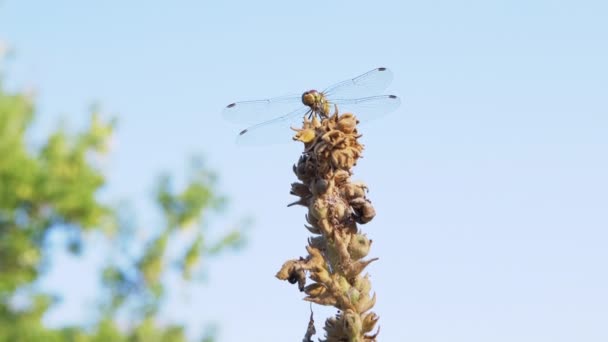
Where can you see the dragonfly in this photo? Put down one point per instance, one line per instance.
(270, 120)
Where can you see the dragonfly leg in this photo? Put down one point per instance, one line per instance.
(310, 114)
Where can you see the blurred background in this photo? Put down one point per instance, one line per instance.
(128, 213)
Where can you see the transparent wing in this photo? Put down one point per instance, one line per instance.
(368, 108)
(372, 82)
(252, 112)
(275, 131)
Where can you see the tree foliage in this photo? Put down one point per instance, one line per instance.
(55, 186)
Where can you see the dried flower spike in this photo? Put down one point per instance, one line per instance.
(335, 261)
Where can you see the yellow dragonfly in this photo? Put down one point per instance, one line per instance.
(270, 119)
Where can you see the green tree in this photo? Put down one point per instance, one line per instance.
(55, 187)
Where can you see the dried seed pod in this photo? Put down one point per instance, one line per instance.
(293, 271)
(315, 260)
(326, 228)
(305, 169)
(339, 210)
(368, 322)
(300, 189)
(315, 290)
(286, 269)
(318, 242)
(334, 138)
(341, 241)
(306, 135)
(353, 295)
(318, 209)
(354, 190)
(342, 284)
(320, 275)
(319, 187)
(363, 284)
(347, 123)
(352, 323)
(358, 267)
(359, 246)
(315, 123)
(341, 177)
(335, 329)
(363, 209)
(298, 276)
(365, 303)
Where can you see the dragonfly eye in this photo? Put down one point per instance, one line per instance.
(309, 98)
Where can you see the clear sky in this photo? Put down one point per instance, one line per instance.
(490, 181)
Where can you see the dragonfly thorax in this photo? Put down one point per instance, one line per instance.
(317, 102)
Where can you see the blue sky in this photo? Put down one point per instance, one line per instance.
(489, 181)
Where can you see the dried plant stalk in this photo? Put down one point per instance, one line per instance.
(335, 260)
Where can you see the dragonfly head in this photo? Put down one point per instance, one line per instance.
(311, 98)
(317, 102)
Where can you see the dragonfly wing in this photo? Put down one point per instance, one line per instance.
(275, 131)
(368, 108)
(371, 83)
(252, 112)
